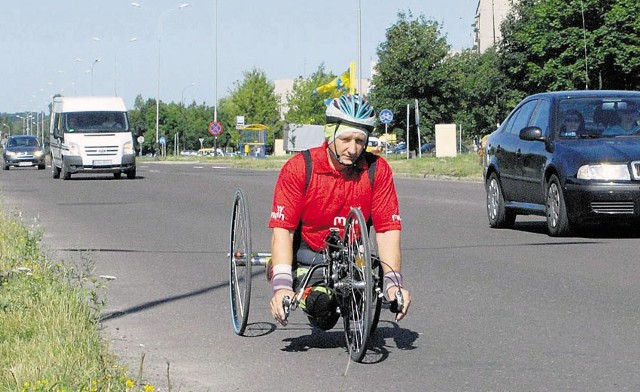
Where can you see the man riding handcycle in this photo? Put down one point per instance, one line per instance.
(325, 199)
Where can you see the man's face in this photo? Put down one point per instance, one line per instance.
(348, 146)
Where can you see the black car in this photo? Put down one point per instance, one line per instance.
(22, 150)
(571, 156)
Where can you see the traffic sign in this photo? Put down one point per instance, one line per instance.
(162, 140)
(386, 116)
(215, 128)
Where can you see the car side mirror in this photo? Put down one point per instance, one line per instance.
(531, 134)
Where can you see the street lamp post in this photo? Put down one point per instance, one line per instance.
(181, 6)
(29, 122)
(183, 116)
(24, 122)
(215, 77)
(92, 65)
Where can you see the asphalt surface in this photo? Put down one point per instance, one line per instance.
(493, 310)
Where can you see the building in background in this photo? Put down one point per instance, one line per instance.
(489, 17)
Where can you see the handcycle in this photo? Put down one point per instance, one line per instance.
(349, 269)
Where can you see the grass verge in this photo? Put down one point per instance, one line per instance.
(49, 318)
(463, 166)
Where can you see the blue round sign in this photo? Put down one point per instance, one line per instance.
(386, 116)
(162, 140)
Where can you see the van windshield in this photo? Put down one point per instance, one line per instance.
(91, 122)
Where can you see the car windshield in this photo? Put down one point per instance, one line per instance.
(90, 122)
(598, 117)
(23, 142)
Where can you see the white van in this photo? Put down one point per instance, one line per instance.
(91, 135)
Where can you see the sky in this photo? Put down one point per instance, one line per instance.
(197, 53)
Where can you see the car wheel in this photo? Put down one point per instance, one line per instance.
(557, 220)
(40, 167)
(131, 174)
(499, 216)
(117, 176)
(66, 174)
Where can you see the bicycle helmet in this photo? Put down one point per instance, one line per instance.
(351, 110)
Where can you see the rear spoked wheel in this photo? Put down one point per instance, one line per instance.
(240, 262)
(359, 302)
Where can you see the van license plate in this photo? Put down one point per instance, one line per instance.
(101, 163)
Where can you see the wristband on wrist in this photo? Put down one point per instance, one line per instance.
(392, 278)
(282, 277)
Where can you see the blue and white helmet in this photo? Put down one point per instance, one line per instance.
(351, 110)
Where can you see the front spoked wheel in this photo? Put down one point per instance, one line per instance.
(358, 299)
(240, 262)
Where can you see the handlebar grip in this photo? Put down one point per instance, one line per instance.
(286, 306)
(398, 303)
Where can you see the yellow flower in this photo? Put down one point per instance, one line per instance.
(149, 388)
(130, 383)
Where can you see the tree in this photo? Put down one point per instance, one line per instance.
(190, 124)
(255, 99)
(479, 90)
(560, 44)
(304, 106)
(142, 120)
(411, 67)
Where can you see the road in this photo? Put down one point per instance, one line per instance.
(493, 310)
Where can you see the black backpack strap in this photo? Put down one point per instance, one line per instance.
(308, 168)
(371, 159)
(297, 235)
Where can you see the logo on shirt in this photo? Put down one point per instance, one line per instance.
(341, 221)
(279, 214)
(395, 217)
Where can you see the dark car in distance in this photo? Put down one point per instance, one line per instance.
(572, 156)
(428, 148)
(23, 150)
(400, 148)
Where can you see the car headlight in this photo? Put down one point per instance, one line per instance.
(74, 149)
(605, 172)
(37, 153)
(128, 148)
(10, 154)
